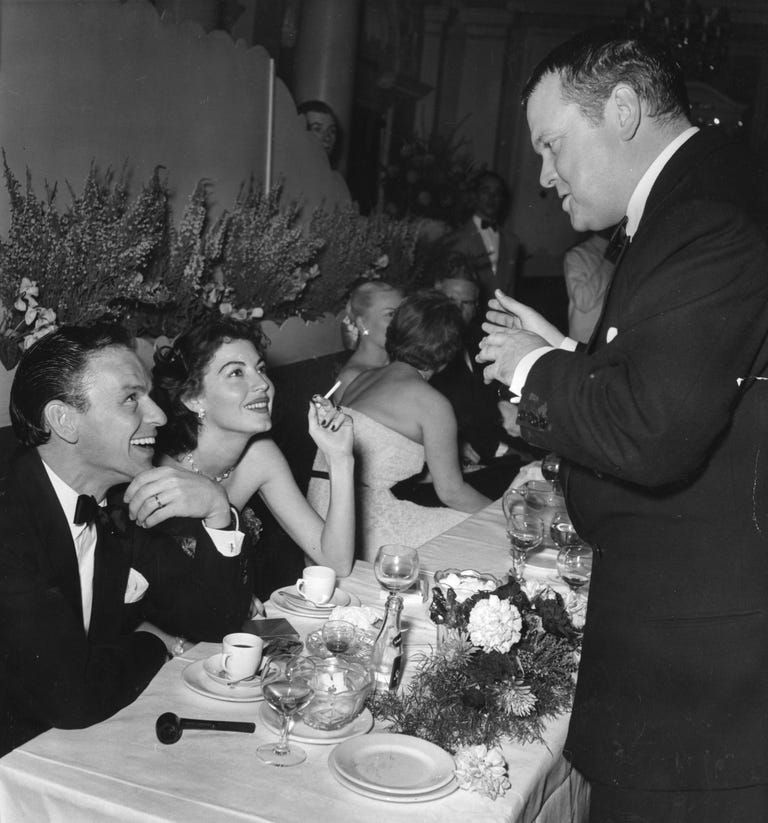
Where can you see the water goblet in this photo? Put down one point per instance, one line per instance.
(525, 532)
(574, 565)
(286, 683)
(396, 567)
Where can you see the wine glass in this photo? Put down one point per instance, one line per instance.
(286, 683)
(574, 565)
(562, 531)
(550, 469)
(525, 532)
(396, 567)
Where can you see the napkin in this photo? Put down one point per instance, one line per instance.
(363, 617)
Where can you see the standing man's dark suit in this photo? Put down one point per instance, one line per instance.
(671, 487)
(662, 424)
(469, 242)
(53, 672)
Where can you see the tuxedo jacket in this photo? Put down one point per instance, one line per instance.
(663, 422)
(53, 672)
(468, 241)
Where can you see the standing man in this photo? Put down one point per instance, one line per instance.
(486, 240)
(75, 577)
(662, 424)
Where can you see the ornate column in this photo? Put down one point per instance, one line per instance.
(324, 62)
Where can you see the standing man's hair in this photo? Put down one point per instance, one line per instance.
(53, 369)
(593, 62)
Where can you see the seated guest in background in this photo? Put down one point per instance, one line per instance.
(370, 307)
(401, 422)
(587, 274)
(324, 125)
(486, 240)
(213, 387)
(461, 381)
(74, 579)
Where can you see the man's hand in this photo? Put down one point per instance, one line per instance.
(509, 418)
(158, 494)
(504, 349)
(506, 313)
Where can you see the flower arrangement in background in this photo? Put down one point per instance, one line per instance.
(355, 246)
(105, 256)
(428, 177)
(507, 666)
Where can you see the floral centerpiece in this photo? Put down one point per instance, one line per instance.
(508, 665)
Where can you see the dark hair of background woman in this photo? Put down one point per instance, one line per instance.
(425, 331)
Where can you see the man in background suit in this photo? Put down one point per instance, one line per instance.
(486, 240)
(74, 577)
(662, 424)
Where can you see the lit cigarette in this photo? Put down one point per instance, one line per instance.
(327, 395)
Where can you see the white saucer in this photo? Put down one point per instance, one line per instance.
(198, 680)
(302, 733)
(212, 667)
(307, 609)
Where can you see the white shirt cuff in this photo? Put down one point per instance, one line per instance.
(228, 542)
(526, 364)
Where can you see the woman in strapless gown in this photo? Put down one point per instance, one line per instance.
(401, 423)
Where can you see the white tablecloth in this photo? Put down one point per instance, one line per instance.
(117, 770)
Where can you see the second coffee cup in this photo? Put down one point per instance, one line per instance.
(317, 584)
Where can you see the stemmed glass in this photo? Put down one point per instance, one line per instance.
(396, 567)
(286, 683)
(574, 560)
(525, 532)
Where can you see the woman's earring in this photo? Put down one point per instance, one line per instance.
(365, 332)
(200, 416)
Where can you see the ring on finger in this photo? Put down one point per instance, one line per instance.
(160, 504)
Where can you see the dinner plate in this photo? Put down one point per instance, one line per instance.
(196, 678)
(393, 764)
(302, 733)
(306, 609)
(422, 797)
(212, 667)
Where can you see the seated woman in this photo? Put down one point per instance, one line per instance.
(369, 310)
(401, 422)
(212, 385)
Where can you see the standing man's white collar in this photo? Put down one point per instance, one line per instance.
(639, 197)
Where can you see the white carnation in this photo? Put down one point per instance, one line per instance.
(494, 624)
(482, 770)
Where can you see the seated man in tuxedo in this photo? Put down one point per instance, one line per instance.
(75, 577)
(486, 240)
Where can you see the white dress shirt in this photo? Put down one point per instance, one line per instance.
(635, 209)
(227, 542)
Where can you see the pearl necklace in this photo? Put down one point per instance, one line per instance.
(217, 479)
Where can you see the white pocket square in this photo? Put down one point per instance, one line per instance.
(611, 333)
(136, 587)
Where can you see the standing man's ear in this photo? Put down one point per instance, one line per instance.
(63, 420)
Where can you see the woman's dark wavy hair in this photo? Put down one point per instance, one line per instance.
(426, 331)
(178, 373)
(592, 62)
(53, 369)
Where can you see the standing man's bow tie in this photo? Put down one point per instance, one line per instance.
(489, 224)
(88, 510)
(618, 242)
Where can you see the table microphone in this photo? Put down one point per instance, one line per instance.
(170, 726)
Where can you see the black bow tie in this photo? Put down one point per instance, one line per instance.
(489, 224)
(618, 243)
(87, 511)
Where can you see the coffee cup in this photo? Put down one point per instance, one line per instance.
(241, 655)
(317, 584)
